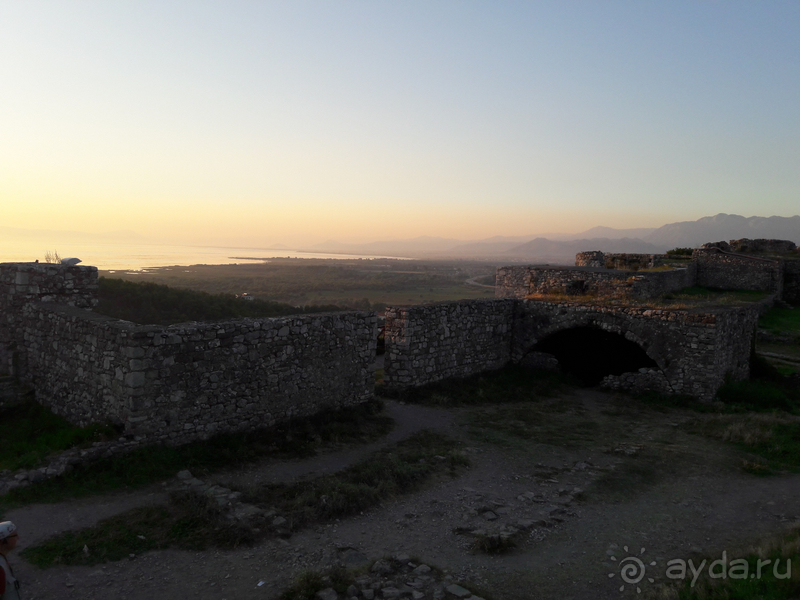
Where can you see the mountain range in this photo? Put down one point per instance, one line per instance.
(561, 248)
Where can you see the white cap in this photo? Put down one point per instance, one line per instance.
(6, 529)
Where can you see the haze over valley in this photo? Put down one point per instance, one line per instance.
(129, 250)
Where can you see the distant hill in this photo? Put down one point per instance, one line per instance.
(725, 227)
(544, 250)
(561, 248)
(422, 245)
(612, 233)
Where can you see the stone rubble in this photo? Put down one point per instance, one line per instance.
(63, 462)
(399, 576)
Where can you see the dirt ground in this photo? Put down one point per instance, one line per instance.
(643, 481)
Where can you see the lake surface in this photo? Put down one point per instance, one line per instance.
(124, 256)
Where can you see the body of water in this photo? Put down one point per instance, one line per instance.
(123, 256)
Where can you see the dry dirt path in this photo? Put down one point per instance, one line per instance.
(647, 483)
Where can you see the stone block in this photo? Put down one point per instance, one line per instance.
(135, 379)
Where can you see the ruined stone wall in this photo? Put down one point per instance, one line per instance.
(762, 245)
(619, 260)
(791, 281)
(724, 270)
(735, 335)
(190, 381)
(431, 342)
(593, 258)
(21, 283)
(694, 351)
(178, 383)
(513, 282)
(657, 283)
(520, 282)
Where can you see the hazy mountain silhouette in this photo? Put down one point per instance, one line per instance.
(612, 233)
(543, 247)
(561, 248)
(725, 227)
(551, 247)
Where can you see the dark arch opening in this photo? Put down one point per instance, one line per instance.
(589, 354)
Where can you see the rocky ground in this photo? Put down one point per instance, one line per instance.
(599, 474)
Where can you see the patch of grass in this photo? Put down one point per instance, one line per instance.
(667, 402)
(777, 320)
(31, 432)
(747, 585)
(676, 252)
(387, 473)
(151, 303)
(695, 295)
(509, 384)
(307, 584)
(767, 390)
(347, 283)
(298, 438)
(755, 467)
(787, 369)
(775, 437)
(191, 521)
(516, 425)
(188, 522)
(756, 395)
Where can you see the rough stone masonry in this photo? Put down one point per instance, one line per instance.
(695, 350)
(183, 382)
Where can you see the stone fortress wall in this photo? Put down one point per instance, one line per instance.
(720, 265)
(695, 350)
(21, 284)
(184, 382)
(523, 281)
(430, 342)
(608, 260)
(732, 271)
(178, 383)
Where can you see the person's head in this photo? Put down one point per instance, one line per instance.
(8, 536)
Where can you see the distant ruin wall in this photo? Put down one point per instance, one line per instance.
(449, 339)
(593, 258)
(513, 282)
(520, 282)
(619, 260)
(724, 270)
(762, 245)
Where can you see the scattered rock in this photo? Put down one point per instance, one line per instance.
(327, 594)
(458, 591)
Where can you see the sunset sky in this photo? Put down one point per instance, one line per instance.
(295, 122)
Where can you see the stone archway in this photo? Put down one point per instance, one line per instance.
(591, 353)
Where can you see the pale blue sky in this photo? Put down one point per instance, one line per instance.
(294, 122)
